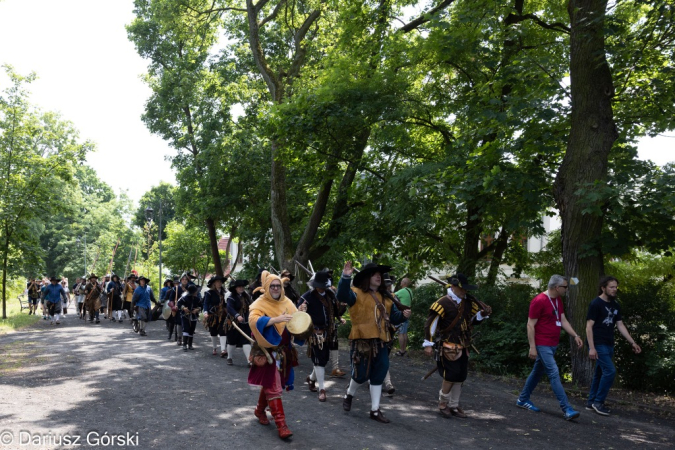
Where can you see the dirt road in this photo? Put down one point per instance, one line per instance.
(79, 379)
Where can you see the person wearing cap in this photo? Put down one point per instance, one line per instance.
(238, 304)
(92, 302)
(267, 318)
(114, 291)
(545, 320)
(448, 330)
(163, 298)
(128, 294)
(54, 293)
(189, 307)
(215, 314)
(373, 312)
(322, 306)
(143, 296)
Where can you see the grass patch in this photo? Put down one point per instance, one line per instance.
(16, 319)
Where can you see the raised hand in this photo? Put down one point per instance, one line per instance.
(348, 269)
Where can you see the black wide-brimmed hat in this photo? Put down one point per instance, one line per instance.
(214, 279)
(287, 274)
(167, 281)
(234, 284)
(320, 280)
(388, 279)
(92, 275)
(192, 289)
(57, 279)
(114, 275)
(460, 280)
(143, 277)
(368, 270)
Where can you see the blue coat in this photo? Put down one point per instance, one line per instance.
(143, 296)
(54, 293)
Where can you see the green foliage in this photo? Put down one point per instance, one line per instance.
(38, 154)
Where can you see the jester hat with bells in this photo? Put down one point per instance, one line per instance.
(266, 307)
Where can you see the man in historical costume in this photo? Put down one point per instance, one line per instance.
(114, 292)
(66, 301)
(54, 294)
(178, 290)
(215, 314)
(322, 306)
(268, 317)
(33, 294)
(189, 307)
(103, 296)
(143, 296)
(128, 294)
(390, 282)
(290, 292)
(256, 284)
(448, 331)
(238, 304)
(78, 289)
(92, 302)
(373, 312)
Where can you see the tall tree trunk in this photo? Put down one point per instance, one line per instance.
(592, 135)
(213, 240)
(497, 256)
(470, 254)
(281, 229)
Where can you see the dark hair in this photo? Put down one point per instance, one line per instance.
(604, 281)
(365, 283)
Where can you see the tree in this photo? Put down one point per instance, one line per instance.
(38, 151)
(159, 198)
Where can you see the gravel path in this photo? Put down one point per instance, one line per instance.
(78, 378)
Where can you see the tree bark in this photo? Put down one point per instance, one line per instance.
(213, 240)
(470, 254)
(497, 256)
(592, 135)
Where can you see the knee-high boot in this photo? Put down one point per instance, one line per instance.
(277, 410)
(260, 409)
(170, 326)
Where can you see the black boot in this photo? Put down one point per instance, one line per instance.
(170, 326)
(190, 343)
(184, 340)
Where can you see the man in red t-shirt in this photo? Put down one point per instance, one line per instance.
(546, 318)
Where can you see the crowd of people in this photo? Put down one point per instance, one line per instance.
(260, 319)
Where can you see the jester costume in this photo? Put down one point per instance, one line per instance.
(275, 372)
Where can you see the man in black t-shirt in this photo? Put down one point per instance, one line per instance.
(603, 313)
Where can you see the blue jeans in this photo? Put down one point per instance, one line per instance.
(545, 363)
(604, 374)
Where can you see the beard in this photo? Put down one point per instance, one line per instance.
(611, 297)
(275, 295)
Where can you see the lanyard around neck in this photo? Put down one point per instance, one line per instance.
(555, 307)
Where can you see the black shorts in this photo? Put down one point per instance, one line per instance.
(33, 301)
(454, 371)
